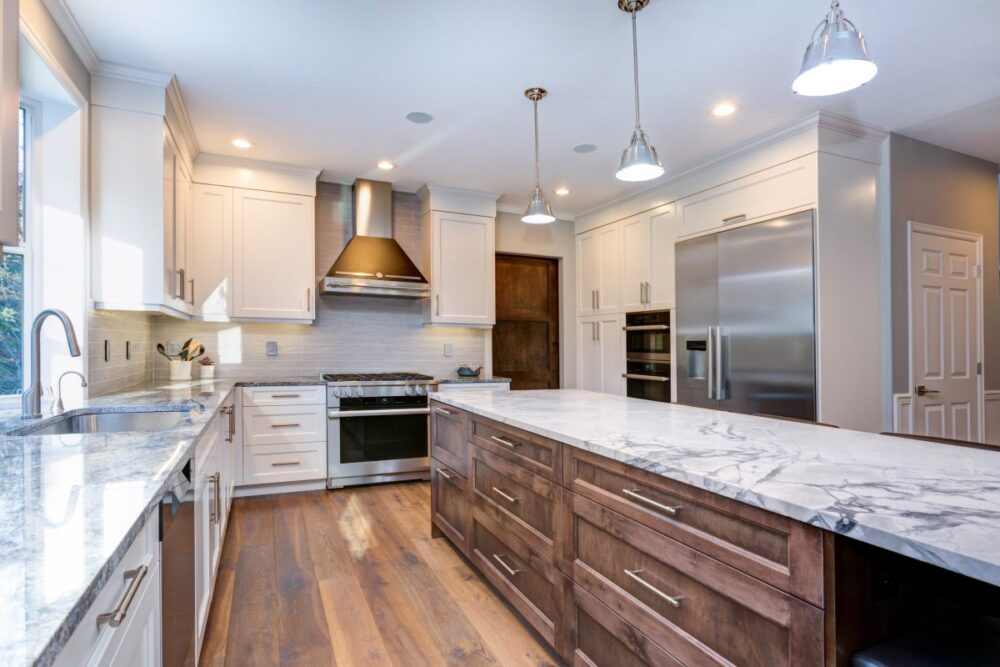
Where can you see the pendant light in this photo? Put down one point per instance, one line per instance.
(537, 212)
(836, 60)
(639, 160)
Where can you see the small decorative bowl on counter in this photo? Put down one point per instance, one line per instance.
(469, 372)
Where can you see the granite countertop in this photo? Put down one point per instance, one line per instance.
(70, 506)
(936, 503)
(473, 380)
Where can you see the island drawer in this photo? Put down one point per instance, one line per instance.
(698, 609)
(450, 508)
(518, 500)
(450, 437)
(777, 550)
(537, 454)
(292, 395)
(528, 581)
(595, 635)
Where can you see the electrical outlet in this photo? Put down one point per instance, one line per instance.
(272, 348)
(448, 350)
(173, 349)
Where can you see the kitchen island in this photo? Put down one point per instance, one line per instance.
(647, 520)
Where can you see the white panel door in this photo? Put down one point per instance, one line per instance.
(589, 352)
(211, 257)
(463, 273)
(273, 255)
(944, 321)
(609, 288)
(612, 343)
(635, 264)
(206, 524)
(9, 91)
(660, 295)
(588, 258)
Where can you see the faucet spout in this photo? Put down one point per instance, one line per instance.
(31, 399)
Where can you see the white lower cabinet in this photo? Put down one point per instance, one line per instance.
(283, 436)
(136, 640)
(207, 516)
(601, 354)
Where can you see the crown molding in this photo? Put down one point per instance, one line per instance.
(132, 74)
(849, 126)
(519, 210)
(449, 190)
(74, 34)
(262, 165)
(176, 101)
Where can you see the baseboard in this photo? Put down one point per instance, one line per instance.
(286, 487)
(902, 413)
(991, 416)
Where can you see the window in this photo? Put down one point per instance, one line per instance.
(12, 275)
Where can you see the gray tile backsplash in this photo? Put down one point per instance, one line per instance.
(119, 373)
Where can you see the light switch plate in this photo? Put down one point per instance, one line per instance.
(448, 350)
(272, 348)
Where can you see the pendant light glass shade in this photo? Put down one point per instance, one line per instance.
(537, 212)
(639, 159)
(837, 60)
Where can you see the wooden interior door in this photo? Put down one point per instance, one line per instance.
(945, 330)
(526, 335)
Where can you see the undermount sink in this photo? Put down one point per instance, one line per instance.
(111, 422)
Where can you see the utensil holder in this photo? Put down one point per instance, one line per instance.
(180, 370)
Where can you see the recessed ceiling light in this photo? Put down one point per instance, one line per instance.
(240, 142)
(562, 192)
(419, 117)
(385, 165)
(584, 148)
(723, 109)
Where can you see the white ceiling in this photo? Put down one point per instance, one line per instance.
(327, 83)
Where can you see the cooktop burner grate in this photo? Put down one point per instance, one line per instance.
(376, 377)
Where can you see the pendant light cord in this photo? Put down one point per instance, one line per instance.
(538, 175)
(635, 68)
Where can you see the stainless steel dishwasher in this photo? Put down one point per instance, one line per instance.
(177, 569)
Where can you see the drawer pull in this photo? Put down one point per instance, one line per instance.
(634, 576)
(735, 218)
(633, 493)
(277, 464)
(444, 474)
(507, 568)
(442, 411)
(115, 618)
(286, 395)
(505, 443)
(504, 495)
(285, 425)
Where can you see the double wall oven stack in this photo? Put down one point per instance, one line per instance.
(377, 427)
(647, 355)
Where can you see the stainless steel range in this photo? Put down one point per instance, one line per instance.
(377, 427)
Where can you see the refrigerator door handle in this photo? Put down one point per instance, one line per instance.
(718, 363)
(710, 360)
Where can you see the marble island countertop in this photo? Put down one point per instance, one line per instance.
(936, 503)
(70, 506)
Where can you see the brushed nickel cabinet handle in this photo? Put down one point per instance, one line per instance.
(115, 618)
(441, 471)
(437, 304)
(218, 497)
(735, 218)
(634, 576)
(500, 492)
(505, 443)
(286, 395)
(179, 292)
(285, 425)
(191, 281)
(443, 411)
(212, 517)
(633, 493)
(598, 299)
(232, 424)
(309, 305)
(507, 568)
(278, 464)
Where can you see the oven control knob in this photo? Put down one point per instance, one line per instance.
(421, 390)
(410, 390)
(359, 392)
(336, 392)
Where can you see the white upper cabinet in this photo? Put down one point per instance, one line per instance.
(598, 272)
(459, 250)
(660, 293)
(635, 262)
(211, 251)
(9, 96)
(273, 255)
(176, 227)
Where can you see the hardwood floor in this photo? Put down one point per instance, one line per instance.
(352, 577)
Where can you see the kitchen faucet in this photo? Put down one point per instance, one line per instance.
(31, 399)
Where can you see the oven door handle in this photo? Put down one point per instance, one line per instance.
(647, 327)
(339, 414)
(651, 378)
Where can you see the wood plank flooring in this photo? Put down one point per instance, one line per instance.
(352, 577)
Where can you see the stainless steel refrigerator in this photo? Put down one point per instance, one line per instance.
(746, 322)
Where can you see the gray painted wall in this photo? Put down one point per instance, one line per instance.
(936, 186)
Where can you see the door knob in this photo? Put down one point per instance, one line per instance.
(923, 391)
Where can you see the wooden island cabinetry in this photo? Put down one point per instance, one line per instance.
(613, 565)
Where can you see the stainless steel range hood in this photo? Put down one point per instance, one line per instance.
(373, 263)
